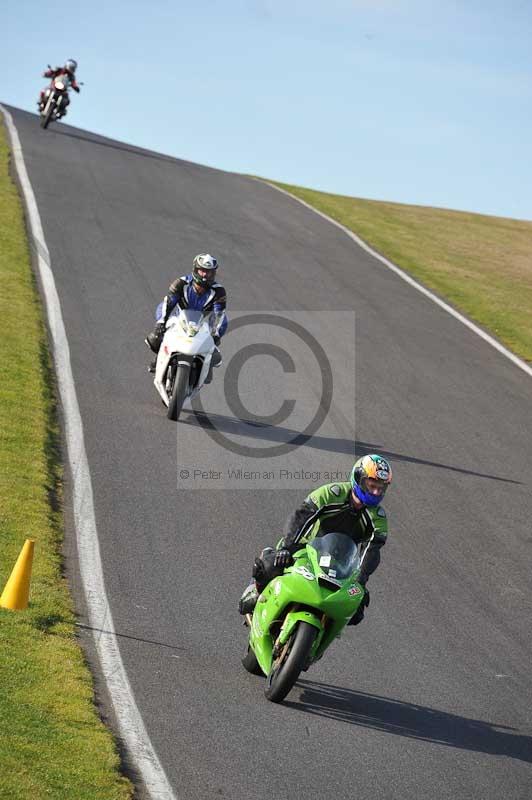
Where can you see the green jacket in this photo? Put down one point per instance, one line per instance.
(329, 509)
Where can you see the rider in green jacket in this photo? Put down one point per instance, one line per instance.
(353, 508)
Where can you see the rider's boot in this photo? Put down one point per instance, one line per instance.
(154, 338)
(216, 360)
(248, 601)
(153, 342)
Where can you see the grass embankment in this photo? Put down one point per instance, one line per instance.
(52, 742)
(481, 265)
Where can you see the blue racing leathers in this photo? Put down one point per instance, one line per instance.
(212, 302)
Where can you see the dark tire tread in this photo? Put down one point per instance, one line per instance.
(250, 663)
(179, 391)
(283, 679)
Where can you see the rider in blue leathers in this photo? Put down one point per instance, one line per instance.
(198, 291)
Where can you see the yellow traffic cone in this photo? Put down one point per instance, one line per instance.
(17, 589)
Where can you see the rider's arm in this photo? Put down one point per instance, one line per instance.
(377, 527)
(175, 292)
(177, 286)
(219, 319)
(299, 524)
(372, 559)
(328, 498)
(220, 298)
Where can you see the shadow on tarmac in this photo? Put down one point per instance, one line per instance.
(280, 435)
(410, 720)
(102, 632)
(135, 151)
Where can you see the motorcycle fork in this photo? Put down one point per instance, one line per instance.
(279, 646)
(170, 377)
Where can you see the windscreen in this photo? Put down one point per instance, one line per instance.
(190, 315)
(337, 554)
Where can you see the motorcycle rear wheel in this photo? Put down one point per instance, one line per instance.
(179, 391)
(250, 663)
(283, 675)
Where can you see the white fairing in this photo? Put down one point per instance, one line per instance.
(180, 338)
(49, 99)
(51, 96)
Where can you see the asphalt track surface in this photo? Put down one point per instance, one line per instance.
(431, 695)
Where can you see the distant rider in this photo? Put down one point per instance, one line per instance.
(198, 291)
(68, 72)
(352, 508)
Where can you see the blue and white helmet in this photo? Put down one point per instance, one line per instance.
(71, 65)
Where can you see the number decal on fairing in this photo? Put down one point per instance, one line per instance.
(305, 572)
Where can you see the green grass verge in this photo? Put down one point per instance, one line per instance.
(481, 265)
(52, 742)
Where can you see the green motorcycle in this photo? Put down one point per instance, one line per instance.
(298, 614)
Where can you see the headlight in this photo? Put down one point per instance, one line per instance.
(59, 85)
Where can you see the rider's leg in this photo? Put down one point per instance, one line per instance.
(264, 570)
(65, 102)
(153, 342)
(248, 601)
(216, 360)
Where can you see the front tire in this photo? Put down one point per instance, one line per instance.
(283, 675)
(179, 391)
(47, 116)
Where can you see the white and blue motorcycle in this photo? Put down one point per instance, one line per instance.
(184, 358)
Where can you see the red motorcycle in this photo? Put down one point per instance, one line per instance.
(55, 99)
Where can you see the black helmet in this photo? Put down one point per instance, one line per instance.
(204, 269)
(71, 65)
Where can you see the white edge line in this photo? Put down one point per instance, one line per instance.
(130, 722)
(405, 277)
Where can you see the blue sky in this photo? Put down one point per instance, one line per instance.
(415, 102)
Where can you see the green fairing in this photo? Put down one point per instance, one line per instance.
(298, 597)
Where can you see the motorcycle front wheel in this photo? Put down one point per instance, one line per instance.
(179, 391)
(46, 115)
(292, 659)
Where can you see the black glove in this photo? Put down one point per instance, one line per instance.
(283, 558)
(160, 329)
(76, 89)
(216, 339)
